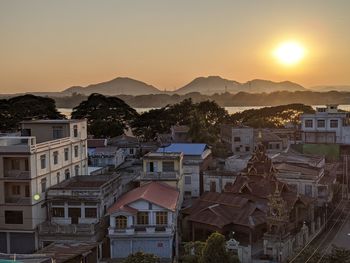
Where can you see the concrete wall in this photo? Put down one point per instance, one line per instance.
(159, 246)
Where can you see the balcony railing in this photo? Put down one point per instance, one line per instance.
(141, 229)
(50, 144)
(76, 229)
(160, 175)
(18, 200)
(17, 174)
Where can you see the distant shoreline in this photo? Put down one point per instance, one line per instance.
(231, 110)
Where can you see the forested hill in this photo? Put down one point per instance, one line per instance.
(224, 100)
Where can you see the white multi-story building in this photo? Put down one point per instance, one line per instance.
(50, 152)
(197, 157)
(145, 219)
(238, 139)
(327, 125)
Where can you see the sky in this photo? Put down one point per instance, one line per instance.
(51, 45)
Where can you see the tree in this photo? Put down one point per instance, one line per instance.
(17, 109)
(106, 116)
(140, 257)
(215, 249)
(204, 120)
(193, 252)
(272, 117)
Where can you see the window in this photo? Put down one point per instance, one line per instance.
(121, 222)
(142, 218)
(162, 218)
(43, 185)
(15, 164)
(58, 212)
(26, 164)
(212, 186)
(67, 174)
(308, 190)
(188, 179)
(150, 206)
(58, 177)
(90, 213)
(131, 151)
(14, 217)
(321, 123)
(277, 146)
(75, 131)
(57, 132)
(26, 191)
(26, 132)
(150, 167)
(334, 123)
(309, 124)
(76, 151)
(43, 161)
(76, 170)
(168, 167)
(16, 190)
(237, 139)
(247, 148)
(238, 149)
(55, 157)
(66, 154)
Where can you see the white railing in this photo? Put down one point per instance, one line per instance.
(50, 144)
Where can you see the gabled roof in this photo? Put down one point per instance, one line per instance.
(154, 192)
(185, 148)
(94, 143)
(222, 209)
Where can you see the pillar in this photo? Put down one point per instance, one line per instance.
(66, 211)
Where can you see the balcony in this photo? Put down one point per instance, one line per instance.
(18, 200)
(160, 175)
(142, 230)
(48, 228)
(17, 174)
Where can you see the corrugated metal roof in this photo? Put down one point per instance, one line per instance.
(185, 148)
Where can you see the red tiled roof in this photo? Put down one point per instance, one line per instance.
(94, 143)
(155, 192)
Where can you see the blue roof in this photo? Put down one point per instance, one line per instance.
(185, 148)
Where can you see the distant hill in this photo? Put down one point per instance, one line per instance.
(345, 88)
(117, 86)
(204, 85)
(210, 85)
(215, 84)
(260, 85)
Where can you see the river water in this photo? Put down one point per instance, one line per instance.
(68, 111)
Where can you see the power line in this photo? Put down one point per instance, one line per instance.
(324, 253)
(341, 213)
(301, 251)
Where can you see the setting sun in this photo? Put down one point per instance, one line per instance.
(289, 53)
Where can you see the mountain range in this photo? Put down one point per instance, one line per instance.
(204, 85)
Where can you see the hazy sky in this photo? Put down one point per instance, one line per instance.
(51, 45)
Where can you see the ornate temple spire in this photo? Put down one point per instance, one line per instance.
(260, 163)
